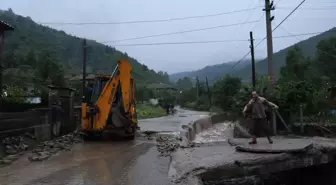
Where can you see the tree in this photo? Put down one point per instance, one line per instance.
(326, 58)
(225, 90)
(49, 69)
(27, 44)
(15, 94)
(184, 83)
(296, 67)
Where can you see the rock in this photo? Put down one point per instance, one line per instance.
(46, 149)
(167, 143)
(55, 150)
(7, 161)
(10, 150)
(39, 156)
(67, 148)
(23, 146)
(49, 144)
(12, 157)
(38, 149)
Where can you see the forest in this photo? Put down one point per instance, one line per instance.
(243, 68)
(36, 56)
(306, 81)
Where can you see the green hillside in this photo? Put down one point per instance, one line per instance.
(308, 48)
(213, 72)
(30, 43)
(243, 70)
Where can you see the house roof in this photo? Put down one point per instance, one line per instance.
(5, 26)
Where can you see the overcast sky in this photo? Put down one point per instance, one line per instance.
(313, 16)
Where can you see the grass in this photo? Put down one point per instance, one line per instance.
(145, 111)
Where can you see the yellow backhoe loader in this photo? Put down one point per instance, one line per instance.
(111, 107)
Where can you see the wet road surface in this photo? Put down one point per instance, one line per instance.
(104, 162)
(93, 164)
(171, 123)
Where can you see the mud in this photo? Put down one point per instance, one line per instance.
(105, 162)
(91, 164)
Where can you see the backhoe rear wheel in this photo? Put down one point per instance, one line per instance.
(93, 136)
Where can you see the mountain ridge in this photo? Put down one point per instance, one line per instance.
(31, 37)
(243, 70)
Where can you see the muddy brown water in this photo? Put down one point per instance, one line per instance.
(130, 163)
(104, 162)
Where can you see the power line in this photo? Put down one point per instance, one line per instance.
(173, 43)
(212, 41)
(318, 8)
(239, 61)
(148, 21)
(300, 41)
(185, 42)
(180, 32)
(289, 15)
(248, 18)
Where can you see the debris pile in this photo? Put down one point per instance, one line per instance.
(14, 145)
(46, 149)
(168, 143)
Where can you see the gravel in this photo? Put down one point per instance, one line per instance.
(170, 142)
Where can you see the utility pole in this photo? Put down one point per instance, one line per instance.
(208, 89)
(268, 8)
(197, 88)
(252, 58)
(84, 70)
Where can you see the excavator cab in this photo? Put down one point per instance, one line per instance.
(111, 105)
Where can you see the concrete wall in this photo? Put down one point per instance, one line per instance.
(13, 124)
(193, 128)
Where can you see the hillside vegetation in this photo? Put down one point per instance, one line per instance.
(35, 53)
(213, 72)
(307, 47)
(243, 70)
(305, 85)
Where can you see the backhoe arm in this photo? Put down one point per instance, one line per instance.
(120, 77)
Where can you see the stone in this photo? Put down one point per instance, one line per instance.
(12, 157)
(55, 150)
(7, 161)
(23, 146)
(10, 150)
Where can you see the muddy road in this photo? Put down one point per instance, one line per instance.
(104, 162)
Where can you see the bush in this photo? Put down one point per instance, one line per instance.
(145, 111)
